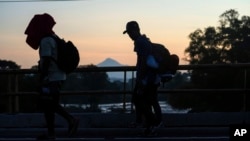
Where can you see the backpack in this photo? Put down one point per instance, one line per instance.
(67, 55)
(165, 63)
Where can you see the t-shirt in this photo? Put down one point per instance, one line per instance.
(48, 48)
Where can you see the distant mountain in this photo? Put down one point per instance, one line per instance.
(109, 62)
(113, 76)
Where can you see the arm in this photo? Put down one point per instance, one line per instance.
(142, 67)
(44, 67)
(143, 47)
(45, 54)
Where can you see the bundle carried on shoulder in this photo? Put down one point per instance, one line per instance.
(163, 61)
(67, 55)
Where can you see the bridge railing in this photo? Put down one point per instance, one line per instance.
(14, 94)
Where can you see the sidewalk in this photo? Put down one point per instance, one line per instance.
(94, 126)
(111, 133)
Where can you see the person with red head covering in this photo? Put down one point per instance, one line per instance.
(39, 27)
(39, 36)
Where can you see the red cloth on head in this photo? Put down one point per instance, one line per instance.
(39, 27)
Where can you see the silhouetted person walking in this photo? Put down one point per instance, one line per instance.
(147, 80)
(39, 35)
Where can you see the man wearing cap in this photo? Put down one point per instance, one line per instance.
(146, 78)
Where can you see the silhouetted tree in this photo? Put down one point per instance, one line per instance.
(6, 82)
(5, 64)
(82, 81)
(227, 43)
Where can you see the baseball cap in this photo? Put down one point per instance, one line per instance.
(132, 25)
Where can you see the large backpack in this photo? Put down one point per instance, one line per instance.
(67, 55)
(166, 63)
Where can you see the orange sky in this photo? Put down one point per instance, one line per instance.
(96, 26)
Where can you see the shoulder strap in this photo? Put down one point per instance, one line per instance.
(56, 39)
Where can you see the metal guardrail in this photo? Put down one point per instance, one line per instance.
(14, 94)
(132, 68)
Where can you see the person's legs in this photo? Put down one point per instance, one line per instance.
(50, 119)
(149, 116)
(46, 105)
(158, 113)
(73, 123)
(138, 108)
(156, 105)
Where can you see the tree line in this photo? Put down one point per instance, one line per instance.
(228, 43)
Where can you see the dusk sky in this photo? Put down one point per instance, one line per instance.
(96, 26)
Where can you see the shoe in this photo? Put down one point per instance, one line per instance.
(135, 125)
(149, 132)
(73, 127)
(159, 125)
(45, 138)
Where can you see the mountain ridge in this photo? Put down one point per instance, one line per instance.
(113, 76)
(109, 62)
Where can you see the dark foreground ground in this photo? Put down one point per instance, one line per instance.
(114, 127)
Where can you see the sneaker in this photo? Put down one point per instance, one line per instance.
(73, 127)
(45, 138)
